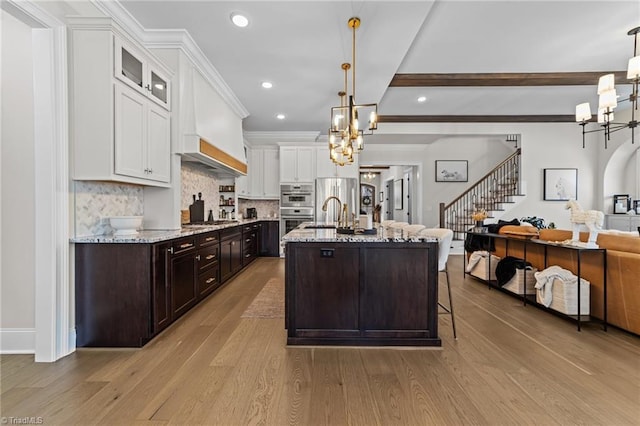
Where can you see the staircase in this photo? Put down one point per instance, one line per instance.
(493, 193)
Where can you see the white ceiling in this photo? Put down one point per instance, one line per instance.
(300, 45)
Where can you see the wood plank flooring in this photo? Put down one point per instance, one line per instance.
(510, 365)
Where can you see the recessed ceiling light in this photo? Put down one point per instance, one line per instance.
(267, 84)
(239, 20)
(422, 99)
(280, 116)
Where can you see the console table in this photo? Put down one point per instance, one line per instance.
(546, 246)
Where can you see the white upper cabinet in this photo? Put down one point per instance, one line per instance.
(297, 164)
(271, 166)
(262, 174)
(119, 107)
(142, 139)
(140, 73)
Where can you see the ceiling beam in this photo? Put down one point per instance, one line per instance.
(476, 118)
(505, 79)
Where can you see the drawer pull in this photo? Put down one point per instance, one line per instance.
(210, 239)
(210, 280)
(211, 256)
(186, 245)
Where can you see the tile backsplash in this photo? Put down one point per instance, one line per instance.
(97, 200)
(197, 178)
(264, 208)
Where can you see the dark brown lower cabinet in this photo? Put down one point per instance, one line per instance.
(183, 283)
(269, 240)
(161, 287)
(126, 293)
(116, 297)
(230, 252)
(360, 293)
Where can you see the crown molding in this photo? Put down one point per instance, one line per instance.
(33, 12)
(173, 39)
(280, 138)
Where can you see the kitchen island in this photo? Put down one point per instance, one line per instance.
(360, 290)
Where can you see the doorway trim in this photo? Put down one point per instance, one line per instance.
(418, 187)
(54, 335)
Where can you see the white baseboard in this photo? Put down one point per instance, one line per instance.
(17, 341)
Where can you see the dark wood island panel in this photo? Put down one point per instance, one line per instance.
(360, 293)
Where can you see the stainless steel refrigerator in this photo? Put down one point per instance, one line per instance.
(346, 189)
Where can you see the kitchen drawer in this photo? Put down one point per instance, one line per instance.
(248, 256)
(183, 245)
(208, 239)
(230, 232)
(206, 257)
(208, 281)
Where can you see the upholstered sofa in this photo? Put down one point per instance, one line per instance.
(623, 269)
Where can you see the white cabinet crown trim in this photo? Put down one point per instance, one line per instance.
(178, 39)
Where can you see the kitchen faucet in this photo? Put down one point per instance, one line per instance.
(324, 206)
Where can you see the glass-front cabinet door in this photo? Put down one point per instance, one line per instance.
(141, 73)
(159, 88)
(129, 66)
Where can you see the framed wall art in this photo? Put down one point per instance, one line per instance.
(452, 170)
(560, 184)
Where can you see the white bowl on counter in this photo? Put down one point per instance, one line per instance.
(125, 225)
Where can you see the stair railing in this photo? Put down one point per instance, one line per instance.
(487, 193)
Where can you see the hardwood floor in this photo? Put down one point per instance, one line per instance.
(510, 365)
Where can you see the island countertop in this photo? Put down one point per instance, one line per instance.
(155, 236)
(313, 232)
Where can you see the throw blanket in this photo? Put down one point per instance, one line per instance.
(477, 242)
(476, 257)
(506, 268)
(544, 281)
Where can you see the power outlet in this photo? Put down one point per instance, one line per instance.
(326, 252)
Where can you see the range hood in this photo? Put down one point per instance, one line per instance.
(199, 150)
(212, 130)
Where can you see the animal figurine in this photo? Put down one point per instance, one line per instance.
(592, 219)
(447, 175)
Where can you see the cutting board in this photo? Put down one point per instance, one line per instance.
(196, 211)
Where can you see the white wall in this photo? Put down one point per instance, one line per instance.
(552, 145)
(482, 153)
(17, 282)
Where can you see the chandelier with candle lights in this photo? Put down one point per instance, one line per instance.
(346, 132)
(608, 100)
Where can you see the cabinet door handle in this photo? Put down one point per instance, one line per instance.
(210, 280)
(248, 240)
(198, 257)
(148, 87)
(247, 255)
(211, 256)
(150, 170)
(186, 245)
(170, 250)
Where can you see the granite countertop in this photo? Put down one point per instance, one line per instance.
(307, 232)
(155, 236)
